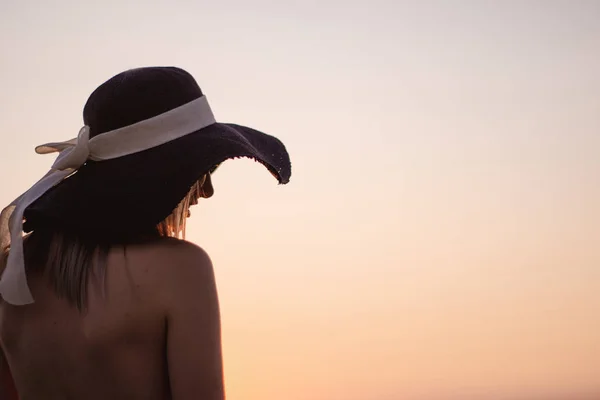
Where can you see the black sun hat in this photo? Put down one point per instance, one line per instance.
(149, 136)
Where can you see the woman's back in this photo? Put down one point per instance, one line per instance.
(158, 316)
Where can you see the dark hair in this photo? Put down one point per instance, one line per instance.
(67, 260)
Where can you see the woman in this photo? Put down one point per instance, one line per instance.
(103, 299)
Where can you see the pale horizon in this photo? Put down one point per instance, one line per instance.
(439, 237)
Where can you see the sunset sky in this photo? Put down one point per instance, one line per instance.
(440, 236)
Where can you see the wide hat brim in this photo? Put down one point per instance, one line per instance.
(133, 193)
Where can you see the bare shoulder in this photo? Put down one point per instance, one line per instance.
(177, 269)
(177, 249)
(171, 256)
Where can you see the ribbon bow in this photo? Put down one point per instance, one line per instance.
(72, 155)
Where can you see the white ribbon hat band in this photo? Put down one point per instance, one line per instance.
(72, 154)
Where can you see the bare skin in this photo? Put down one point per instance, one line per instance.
(151, 331)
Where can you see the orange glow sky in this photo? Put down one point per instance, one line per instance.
(440, 234)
